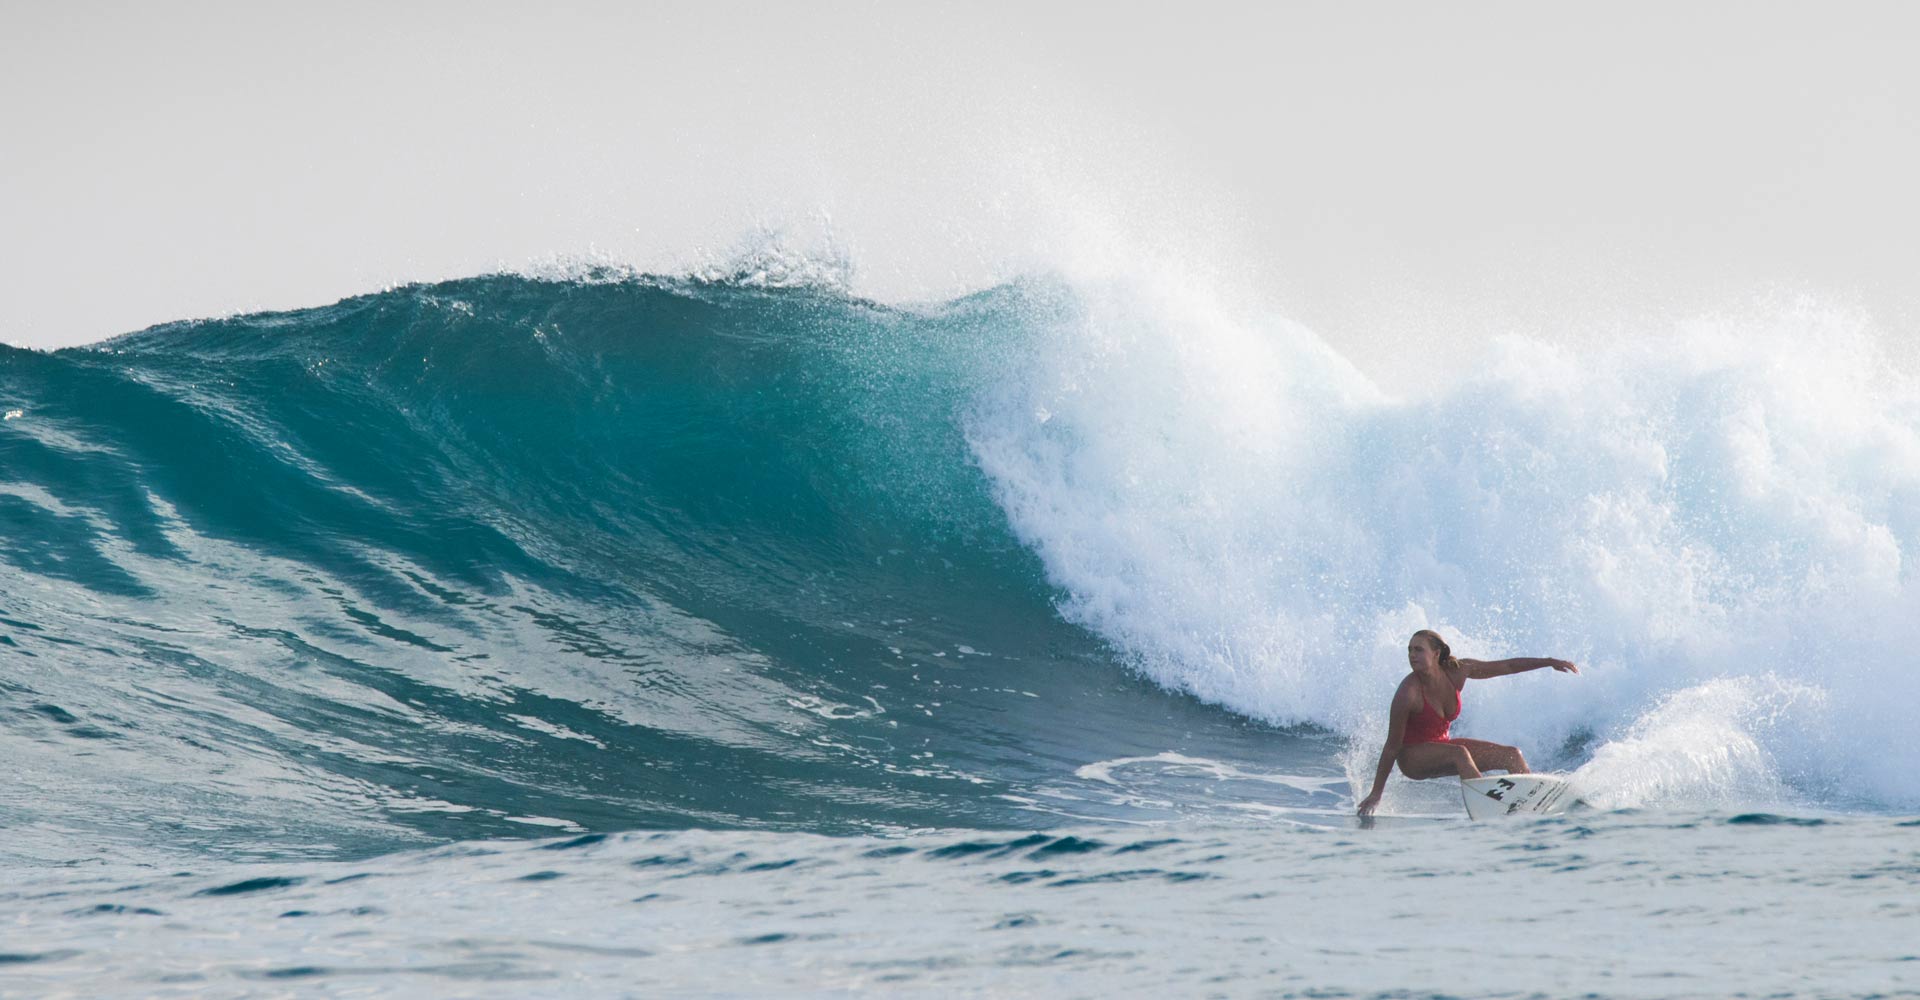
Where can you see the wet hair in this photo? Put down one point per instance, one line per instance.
(1447, 662)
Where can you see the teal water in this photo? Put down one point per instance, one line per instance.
(610, 555)
(1029, 642)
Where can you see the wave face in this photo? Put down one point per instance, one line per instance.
(516, 554)
(606, 553)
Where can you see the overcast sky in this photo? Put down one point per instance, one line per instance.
(1382, 173)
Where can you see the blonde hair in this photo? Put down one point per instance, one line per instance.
(1439, 645)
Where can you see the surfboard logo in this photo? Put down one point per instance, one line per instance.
(1490, 796)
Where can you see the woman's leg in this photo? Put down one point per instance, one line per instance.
(1496, 756)
(1437, 760)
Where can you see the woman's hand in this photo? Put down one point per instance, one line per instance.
(1564, 666)
(1369, 804)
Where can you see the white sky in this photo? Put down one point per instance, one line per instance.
(1387, 174)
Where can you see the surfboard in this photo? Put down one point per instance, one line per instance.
(1514, 794)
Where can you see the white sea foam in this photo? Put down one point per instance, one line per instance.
(1703, 746)
(1714, 521)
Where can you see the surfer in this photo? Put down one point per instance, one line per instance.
(1424, 706)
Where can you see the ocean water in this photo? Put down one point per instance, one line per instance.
(615, 634)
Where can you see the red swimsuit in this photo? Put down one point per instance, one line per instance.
(1428, 726)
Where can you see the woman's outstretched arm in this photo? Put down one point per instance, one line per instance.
(1396, 731)
(1480, 670)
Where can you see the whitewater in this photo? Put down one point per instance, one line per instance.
(729, 633)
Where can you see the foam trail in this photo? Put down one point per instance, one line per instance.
(1703, 746)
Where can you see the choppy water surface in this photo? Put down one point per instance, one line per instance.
(1608, 905)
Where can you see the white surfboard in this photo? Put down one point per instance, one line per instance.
(1513, 794)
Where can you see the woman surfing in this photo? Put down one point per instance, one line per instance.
(1420, 722)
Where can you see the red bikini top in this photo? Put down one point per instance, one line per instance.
(1428, 725)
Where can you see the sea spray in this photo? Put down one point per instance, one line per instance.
(1248, 520)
